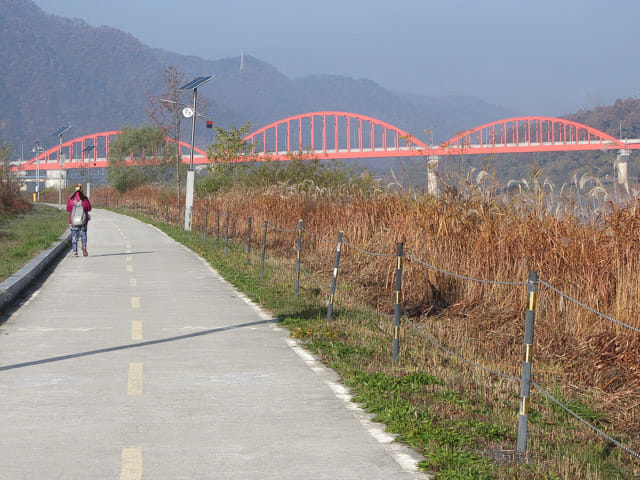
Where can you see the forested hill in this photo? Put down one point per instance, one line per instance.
(621, 120)
(58, 70)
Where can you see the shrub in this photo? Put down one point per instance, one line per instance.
(10, 199)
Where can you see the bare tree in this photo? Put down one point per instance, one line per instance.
(165, 111)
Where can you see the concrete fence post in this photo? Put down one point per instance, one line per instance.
(298, 248)
(396, 302)
(264, 248)
(334, 278)
(249, 241)
(525, 383)
(217, 228)
(206, 223)
(226, 233)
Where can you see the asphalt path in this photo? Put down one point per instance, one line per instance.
(140, 361)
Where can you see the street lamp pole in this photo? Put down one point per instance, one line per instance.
(38, 148)
(86, 150)
(61, 131)
(188, 204)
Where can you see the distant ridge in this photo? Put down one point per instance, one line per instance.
(58, 70)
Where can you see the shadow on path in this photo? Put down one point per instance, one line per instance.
(134, 345)
(123, 253)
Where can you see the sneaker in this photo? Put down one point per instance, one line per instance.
(84, 251)
(75, 254)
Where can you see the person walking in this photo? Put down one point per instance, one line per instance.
(78, 207)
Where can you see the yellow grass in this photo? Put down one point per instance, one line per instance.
(593, 262)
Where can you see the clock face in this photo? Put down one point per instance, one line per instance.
(187, 112)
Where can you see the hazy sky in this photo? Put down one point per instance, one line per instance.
(544, 57)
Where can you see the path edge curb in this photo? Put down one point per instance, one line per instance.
(19, 281)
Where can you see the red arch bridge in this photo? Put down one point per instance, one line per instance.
(343, 135)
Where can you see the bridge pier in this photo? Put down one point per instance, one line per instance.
(433, 179)
(621, 168)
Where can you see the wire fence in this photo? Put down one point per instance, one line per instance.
(171, 216)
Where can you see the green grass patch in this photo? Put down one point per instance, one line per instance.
(24, 236)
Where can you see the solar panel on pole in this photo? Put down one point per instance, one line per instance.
(196, 82)
(61, 131)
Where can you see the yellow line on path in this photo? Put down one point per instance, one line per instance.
(130, 268)
(136, 330)
(129, 258)
(134, 386)
(135, 302)
(133, 282)
(131, 468)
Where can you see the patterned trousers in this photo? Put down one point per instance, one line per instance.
(78, 232)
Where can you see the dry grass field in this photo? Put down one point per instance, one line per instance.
(467, 258)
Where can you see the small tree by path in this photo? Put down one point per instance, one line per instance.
(10, 200)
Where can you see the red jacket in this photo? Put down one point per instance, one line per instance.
(85, 204)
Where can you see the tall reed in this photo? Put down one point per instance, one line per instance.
(485, 237)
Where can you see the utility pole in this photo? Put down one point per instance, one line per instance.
(38, 148)
(60, 132)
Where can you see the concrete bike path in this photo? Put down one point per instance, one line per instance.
(139, 361)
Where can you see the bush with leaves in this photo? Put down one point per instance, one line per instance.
(139, 156)
(301, 171)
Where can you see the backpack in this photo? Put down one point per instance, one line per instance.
(78, 215)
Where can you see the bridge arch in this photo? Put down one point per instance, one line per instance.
(331, 134)
(92, 150)
(529, 134)
(344, 135)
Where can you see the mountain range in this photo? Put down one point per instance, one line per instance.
(58, 71)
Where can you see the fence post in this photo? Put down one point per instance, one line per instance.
(217, 228)
(334, 278)
(264, 248)
(194, 219)
(396, 303)
(206, 222)
(298, 248)
(249, 241)
(525, 383)
(226, 232)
